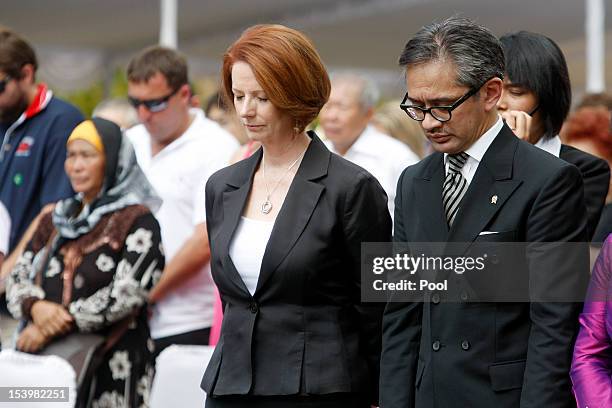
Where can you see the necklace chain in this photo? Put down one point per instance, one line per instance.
(266, 207)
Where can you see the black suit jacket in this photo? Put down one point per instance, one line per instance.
(304, 331)
(464, 354)
(596, 176)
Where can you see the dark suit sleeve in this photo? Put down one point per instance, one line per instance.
(596, 178)
(401, 330)
(367, 219)
(209, 198)
(557, 216)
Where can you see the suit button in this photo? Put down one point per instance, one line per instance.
(464, 296)
(436, 345)
(465, 345)
(435, 298)
(253, 308)
(494, 259)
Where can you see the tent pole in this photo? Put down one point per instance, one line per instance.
(168, 24)
(595, 47)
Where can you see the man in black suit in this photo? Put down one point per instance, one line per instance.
(482, 185)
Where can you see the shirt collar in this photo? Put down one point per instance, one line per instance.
(550, 144)
(365, 143)
(40, 102)
(480, 146)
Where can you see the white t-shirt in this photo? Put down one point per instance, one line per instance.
(178, 174)
(382, 156)
(248, 247)
(5, 229)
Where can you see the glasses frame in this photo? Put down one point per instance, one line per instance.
(449, 108)
(4, 82)
(153, 105)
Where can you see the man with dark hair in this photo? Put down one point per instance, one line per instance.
(34, 127)
(535, 102)
(482, 186)
(178, 149)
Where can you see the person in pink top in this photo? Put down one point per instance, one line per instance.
(592, 361)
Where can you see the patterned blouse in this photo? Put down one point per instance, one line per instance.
(111, 270)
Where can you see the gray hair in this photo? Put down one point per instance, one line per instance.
(476, 53)
(368, 91)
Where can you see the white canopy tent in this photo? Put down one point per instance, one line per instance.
(83, 40)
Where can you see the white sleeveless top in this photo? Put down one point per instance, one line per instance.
(248, 247)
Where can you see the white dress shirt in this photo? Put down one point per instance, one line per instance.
(477, 151)
(551, 145)
(382, 156)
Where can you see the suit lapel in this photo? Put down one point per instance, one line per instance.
(428, 193)
(490, 188)
(297, 209)
(234, 200)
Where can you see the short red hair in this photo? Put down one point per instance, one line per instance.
(592, 123)
(286, 65)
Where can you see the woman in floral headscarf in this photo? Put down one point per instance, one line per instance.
(91, 263)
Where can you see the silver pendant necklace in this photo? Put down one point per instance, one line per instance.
(267, 206)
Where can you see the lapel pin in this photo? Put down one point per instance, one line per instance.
(494, 199)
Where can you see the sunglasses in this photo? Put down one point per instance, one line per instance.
(153, 105)
(3, 83)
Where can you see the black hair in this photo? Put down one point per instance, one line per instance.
(535, 62)
(474, 49)
(111, 136)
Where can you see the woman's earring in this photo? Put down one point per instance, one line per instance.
(296, 128)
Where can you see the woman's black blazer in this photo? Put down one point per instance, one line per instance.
(305, 330)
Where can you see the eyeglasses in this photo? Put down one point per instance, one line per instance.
(153, 105)
(439, 113)
(4, 82)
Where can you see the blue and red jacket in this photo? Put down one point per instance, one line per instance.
(32, 158)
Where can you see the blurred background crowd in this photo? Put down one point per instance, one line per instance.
(64, 63)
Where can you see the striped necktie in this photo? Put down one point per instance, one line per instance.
(455, 185)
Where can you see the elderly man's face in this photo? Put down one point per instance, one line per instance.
(343, 118)
(434, 84)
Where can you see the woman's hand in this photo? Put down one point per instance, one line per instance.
(51, 318)
(31, 339)
(519, 122)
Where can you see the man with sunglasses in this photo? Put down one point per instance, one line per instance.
(34, 127)
(178, 149)
(494, 339)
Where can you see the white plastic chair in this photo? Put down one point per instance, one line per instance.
(179, 370)
(18, 370)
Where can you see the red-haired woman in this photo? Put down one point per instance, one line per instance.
(590, 129)
(286, 227)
